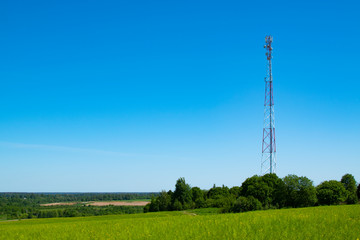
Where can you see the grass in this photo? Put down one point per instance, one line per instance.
(204, 211)
(330, 222)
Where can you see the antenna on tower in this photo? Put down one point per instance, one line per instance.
(268, 161)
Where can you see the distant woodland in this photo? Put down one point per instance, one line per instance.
(256, 193)
(27, 205)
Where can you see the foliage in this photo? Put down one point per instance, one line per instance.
(164, 201)
(245, 204)
(198, 197)
(38, 198)
(220, 197)
(349, 183)
(329, 222)
(331, 192)
(300, 191)
(182, 193)
(268, 189)
(235, 191)
(218, 192)
(27, 205)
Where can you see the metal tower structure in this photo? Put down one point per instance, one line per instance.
(268, 161)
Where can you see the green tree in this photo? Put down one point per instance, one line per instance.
(253, 186)
(198, 197)
(244, 204)
(218, 192)
(164, 201)
(300, 191)
(349, 183)
(154, 205)
(235, 191)
(177, 206)
(268, 189)
(220, 197)
(331, 192)
(182, 193)
(147, 208)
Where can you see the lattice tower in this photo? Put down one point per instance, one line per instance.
(268, 161)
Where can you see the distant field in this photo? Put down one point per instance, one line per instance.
(119, 203)
(101, 203)
(330, 222)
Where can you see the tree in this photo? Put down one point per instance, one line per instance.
(218, 192)
(253, 186)
(154, 205)
(268, 189)
(358, 191)
(349, 183)
(300, 191)
(164, 201)
(219, 197)
(198, 197)
(331, 192)
(177, 206)
(235, 191)
(182, 193)
(244, 204)
(147, 208)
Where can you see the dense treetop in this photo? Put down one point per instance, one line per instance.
(258, 192)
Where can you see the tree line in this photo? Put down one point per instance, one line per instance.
(259, 192)
(16, 212)
(27, 205)
(37, 198)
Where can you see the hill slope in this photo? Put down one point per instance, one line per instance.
(332, 222)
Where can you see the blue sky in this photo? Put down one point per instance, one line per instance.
(131, 95)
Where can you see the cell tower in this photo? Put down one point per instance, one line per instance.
(268, 161)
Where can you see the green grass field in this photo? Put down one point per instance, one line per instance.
(332, 222)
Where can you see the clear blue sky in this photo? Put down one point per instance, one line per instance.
(131, 95)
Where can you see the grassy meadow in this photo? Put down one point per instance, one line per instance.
(328, 222)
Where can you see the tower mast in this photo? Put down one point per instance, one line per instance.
(268, 162)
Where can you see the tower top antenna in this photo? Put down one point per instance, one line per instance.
(268, 47)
